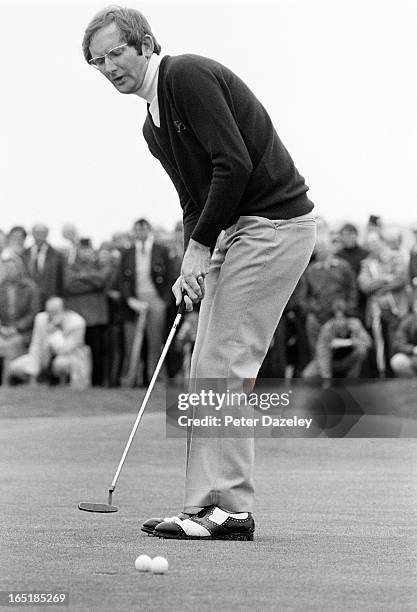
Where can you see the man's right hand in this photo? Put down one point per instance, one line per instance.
(177, 290)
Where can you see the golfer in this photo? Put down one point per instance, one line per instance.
(248, 235)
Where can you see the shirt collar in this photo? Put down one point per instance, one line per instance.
(42, 249)
(149, 88)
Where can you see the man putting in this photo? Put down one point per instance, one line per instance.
(248, 236)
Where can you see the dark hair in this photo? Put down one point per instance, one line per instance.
(374, 220)
(85, 242)
(18, 228)
(349, 227)
(132, 24)
(143, 221)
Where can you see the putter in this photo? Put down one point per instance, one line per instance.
(92, 507)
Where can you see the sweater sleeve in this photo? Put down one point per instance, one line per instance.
(202, 103)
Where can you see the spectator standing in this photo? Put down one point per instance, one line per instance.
(121, 241)
(3, 241)
(145, 275)
(44, 264)
(354, 254)
(412, 266)
(70, 234)
(328, 278)
(393, 238)
(15, 242)
(374, 226)
(404, 360)
(85, 290)
(109, 257)
(351, 251)
(19, 303)
(384, 279)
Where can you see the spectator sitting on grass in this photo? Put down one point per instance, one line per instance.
(404, 360)
(341, 348)
(57, 348)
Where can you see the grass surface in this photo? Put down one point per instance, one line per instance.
(335, 521)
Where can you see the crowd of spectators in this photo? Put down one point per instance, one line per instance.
(72, 315)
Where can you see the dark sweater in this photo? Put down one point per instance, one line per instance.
(354, 256)
(219, 147)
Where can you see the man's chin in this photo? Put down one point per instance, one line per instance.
(124, 87)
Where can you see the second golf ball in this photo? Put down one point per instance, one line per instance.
(143, 563)
(159, 565)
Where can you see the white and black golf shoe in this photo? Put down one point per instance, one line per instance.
(211, 523)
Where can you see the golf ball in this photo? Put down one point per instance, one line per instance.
(159, 565)
(143, 563)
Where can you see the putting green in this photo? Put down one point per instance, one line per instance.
(335, 518)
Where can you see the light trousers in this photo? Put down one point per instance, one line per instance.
(253, 271)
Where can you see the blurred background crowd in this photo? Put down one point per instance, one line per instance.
(88, 316)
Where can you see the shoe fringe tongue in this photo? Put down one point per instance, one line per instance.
(204, 511)
(192, 528)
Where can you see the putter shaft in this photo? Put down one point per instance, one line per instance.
(178, 318)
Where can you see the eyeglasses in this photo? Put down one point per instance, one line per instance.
(113, 54)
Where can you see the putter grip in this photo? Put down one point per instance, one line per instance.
(181, 307)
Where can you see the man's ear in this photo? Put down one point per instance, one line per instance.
(147, 46)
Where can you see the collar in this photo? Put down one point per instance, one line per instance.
(149, 88)
(43, 248)
(148, 244)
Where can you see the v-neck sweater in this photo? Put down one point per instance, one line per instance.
(218, 145)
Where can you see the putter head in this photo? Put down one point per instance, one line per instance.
(88, 507)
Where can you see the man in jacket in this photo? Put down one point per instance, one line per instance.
(85, 291)
(144, 275)
(44, 264)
